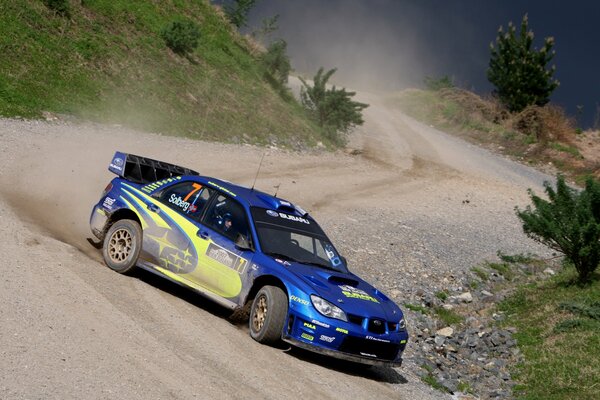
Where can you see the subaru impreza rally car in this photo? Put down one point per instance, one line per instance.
(248, 251)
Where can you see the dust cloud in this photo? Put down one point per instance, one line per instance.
(377, 46)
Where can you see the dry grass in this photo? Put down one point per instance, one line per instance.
(542, 136)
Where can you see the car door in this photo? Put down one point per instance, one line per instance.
(223, 263)
(170, 232)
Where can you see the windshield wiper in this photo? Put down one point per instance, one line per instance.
(282, 256)
(318, 264)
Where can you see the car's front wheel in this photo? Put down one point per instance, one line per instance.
(267, 315)
(122, 245)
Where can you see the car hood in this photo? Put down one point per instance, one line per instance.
(347, 291)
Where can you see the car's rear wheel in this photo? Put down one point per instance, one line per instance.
(267, 315)
(122, 245)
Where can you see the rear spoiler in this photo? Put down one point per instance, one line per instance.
(144, 170)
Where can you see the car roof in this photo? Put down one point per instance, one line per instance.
(249, 197)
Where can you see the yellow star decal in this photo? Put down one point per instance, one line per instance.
(186, 253)
(176, 258)
(162, 242)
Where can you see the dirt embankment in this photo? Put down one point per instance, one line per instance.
(412, 209)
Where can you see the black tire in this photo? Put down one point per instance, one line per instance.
(122, 245)
(267, 315)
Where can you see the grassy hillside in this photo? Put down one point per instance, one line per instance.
(107, 62)
(541, 136)
(558, 325)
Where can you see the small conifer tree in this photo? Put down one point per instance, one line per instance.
(237, 11)
(568, 222)
(518, 70)
(277, 62)
(333, 108)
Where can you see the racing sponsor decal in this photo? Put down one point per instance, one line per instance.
(221, 188)
(342, 330)
(376, 339)
(355, 293)
(307, 337)
(179, 202)
(310, 326)
(108, 203)
(299, 300)
(294, 218)
(322, 324)
(335, 260)
(327, 339)
(156, 185)
(226, 257)
(367, 354)
(290, 217)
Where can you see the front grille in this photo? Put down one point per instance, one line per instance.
(355, 319)
(366, 347)
(376, 325)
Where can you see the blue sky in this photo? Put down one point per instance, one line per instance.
(393, 44)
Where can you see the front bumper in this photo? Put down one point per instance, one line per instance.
(345, 340)
(341, 355)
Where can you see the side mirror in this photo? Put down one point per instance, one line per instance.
(241, 243)
(344, 260)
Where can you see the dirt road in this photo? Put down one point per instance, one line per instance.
(70, 328)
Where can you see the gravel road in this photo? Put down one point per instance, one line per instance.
(413, 209)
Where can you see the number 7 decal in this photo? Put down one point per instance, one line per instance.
(197, 187)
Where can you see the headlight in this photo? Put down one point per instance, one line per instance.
(327, 309)
(402, 324)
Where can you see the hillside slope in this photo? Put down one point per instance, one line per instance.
(107, 62)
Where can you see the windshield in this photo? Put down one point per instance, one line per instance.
(292, 238)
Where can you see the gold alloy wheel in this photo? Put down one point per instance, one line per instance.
(260, 313)
(120, 245)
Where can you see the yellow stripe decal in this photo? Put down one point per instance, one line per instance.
(155, 217)
(131, 207)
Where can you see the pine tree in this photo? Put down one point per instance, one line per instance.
(237, 11)
(277, 62)
(519, 71)
(333, 108)
(568, 222)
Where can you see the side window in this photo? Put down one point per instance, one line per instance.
(227, 217)
(189, 198)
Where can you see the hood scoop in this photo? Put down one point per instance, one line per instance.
(341, 280)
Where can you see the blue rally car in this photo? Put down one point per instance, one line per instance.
(254, 253)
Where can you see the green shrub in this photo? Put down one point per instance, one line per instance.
(518, 70)
(569, 222)
(516, 258)
(61, 7)
(181, 36)
(277, 63)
